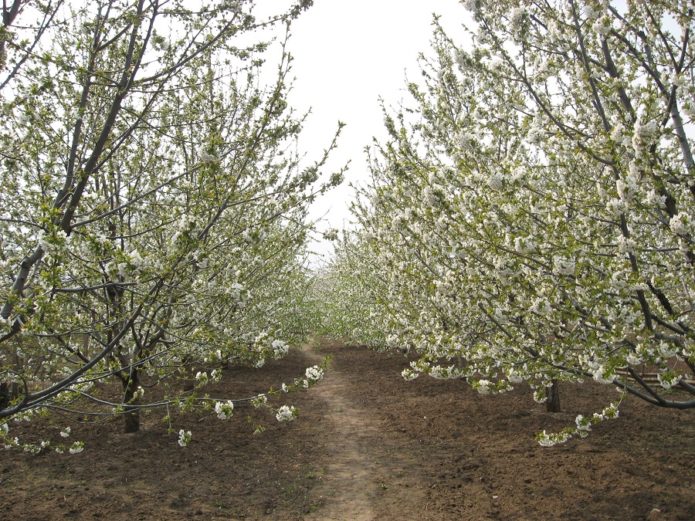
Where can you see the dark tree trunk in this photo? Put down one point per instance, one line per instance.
(9, 391)
(132, 414)
(553, 402)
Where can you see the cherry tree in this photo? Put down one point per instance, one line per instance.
(531, 212)
(153, 207)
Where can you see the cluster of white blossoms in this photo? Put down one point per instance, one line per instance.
(667, 379)
(286, 413)
(202, 378)
(280, 348)
(582, 427)
(39, 447)
(259, 401)
(265, 348)
(546, 439)
(483, 386)
(185, 438)
(216, 375)
(76, 447)
(314, 373)
(224, 410)
(409, 374)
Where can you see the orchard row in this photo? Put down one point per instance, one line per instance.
(531, 215)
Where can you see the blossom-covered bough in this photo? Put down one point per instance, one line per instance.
(153, 206)
(532, 213)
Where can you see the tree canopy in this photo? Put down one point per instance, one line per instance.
(531, 213)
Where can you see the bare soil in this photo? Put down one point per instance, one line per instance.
(367, 446)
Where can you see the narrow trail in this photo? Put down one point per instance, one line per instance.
(346, 488)
(361, 460)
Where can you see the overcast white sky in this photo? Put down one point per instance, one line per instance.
(347, 54)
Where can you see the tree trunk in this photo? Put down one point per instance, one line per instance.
(553, 402)
(132, 414)
(9, 391)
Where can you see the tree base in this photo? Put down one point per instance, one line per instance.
(553, 402)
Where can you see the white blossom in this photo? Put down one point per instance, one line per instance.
(314, 373)
(76, 447)
(679, 224)
(280, 348)
(224, 410)
(184, 438)
(668, 379)
(286, 413)
(483, 386)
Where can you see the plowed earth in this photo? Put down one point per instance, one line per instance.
(367, 446)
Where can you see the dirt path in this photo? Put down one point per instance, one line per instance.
(344, 491)
(371, 471)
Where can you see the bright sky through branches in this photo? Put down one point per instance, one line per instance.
(347, 55)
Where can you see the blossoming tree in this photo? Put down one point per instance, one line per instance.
(531, 214)
(153, 207)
